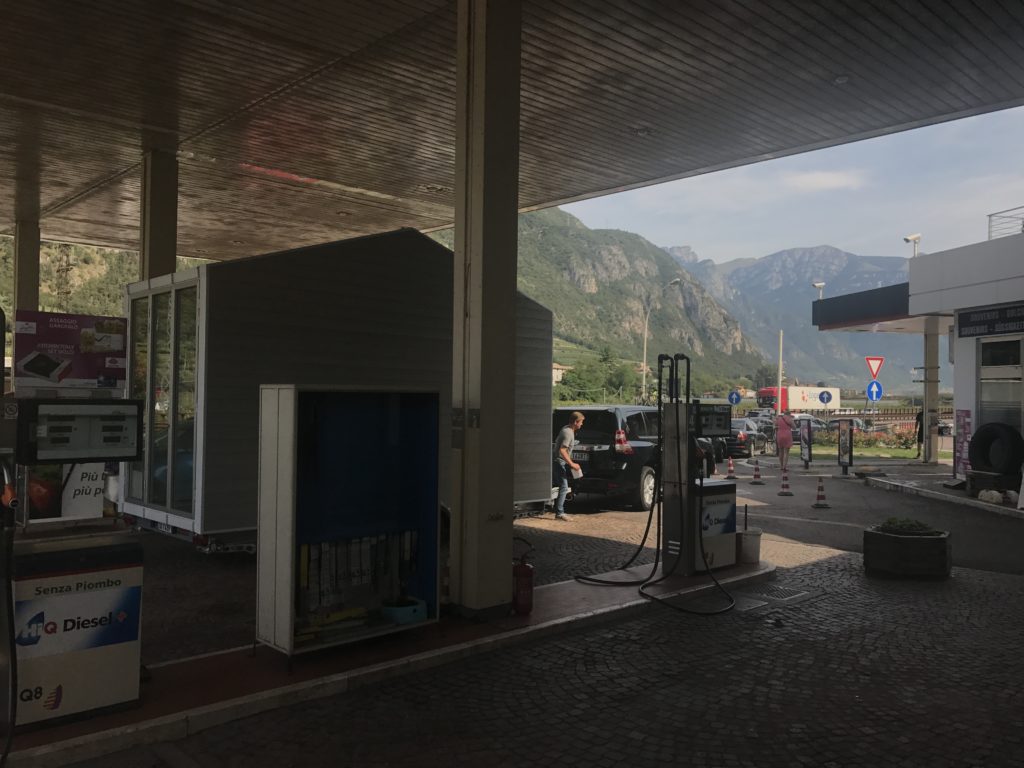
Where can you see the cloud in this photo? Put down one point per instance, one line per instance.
(824, 181)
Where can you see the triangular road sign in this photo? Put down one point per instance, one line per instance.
(874, 365)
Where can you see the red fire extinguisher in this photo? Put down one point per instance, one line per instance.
(522, 582)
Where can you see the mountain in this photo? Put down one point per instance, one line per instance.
(774, 292)
(596, 283)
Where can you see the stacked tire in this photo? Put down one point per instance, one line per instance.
(996, 447)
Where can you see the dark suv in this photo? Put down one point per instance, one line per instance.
(617, 448)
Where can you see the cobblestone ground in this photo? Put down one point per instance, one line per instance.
(824, 667)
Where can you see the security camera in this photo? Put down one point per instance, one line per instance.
(818, 285)
(912, 238)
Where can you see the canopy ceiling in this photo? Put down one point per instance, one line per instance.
(308, 121)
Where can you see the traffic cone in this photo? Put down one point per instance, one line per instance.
(732, 470)
(819, 502)
(757, 474)
(784, 491)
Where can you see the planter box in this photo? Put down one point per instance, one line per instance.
(886, 554)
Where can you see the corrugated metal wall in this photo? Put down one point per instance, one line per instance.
(533, 401)
(373, 312)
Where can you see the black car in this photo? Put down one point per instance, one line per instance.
(746, 439)
(617, 448)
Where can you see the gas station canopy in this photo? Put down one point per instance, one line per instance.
(306, 122)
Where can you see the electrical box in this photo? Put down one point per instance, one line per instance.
(65, 430)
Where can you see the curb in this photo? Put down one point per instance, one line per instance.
(892, 485)
(182, 724)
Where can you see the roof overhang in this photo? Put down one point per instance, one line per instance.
(304, 122)
(879, 310)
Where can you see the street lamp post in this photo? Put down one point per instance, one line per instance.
(648, 304)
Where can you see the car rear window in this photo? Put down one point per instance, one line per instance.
(598, 425)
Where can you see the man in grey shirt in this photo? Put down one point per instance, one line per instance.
(563, 463)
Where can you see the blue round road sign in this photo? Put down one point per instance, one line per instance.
(874, 391)
(825, 397)
(734, 397)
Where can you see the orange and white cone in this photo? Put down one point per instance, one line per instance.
(732, 470)
(757, 474)
(784, 491)
(819, 502)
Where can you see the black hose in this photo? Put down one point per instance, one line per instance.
(655, 505)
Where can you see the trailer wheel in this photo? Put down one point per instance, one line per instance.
(996, 447)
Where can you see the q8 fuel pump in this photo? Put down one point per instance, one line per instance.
(70, 597)
(699, 516)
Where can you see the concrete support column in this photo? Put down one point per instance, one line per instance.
(158, 228)
(931, 396)
(26, 265)
(486, 195)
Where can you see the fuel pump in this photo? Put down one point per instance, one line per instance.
(71, 602)
(688, 515)
(698, 528)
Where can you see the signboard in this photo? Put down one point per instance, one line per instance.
(806, 436)
(845, 443)
(812, 398)
(734, 397)
(874, 365)
(991, 322)
(77, 638)
(53, 350)
(873, 391)
(65, 492)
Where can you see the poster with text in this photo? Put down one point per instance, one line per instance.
(962, 442)
(68, 351)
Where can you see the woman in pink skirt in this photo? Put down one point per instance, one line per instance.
(784, 426)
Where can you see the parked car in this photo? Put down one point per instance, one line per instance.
(746, 439)
(816, 425)
(618, 450)
(945, 427)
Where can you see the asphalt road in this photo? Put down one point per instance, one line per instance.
(981, 539)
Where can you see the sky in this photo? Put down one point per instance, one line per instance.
(941, 181)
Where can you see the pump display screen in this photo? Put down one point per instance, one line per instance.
(713, 420)
(79, 430)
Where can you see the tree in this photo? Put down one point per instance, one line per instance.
(766, 376)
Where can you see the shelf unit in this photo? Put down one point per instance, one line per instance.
(347, 539)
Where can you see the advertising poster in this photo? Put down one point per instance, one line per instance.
(68, 351)
(805, 441)
(962, 428)
(845, 443)
(66, 491)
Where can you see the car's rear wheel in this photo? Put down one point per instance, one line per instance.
(645, 490)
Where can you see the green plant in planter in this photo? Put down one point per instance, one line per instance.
(905, 526)
(903, 547)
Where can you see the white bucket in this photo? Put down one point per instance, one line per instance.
(750, 545)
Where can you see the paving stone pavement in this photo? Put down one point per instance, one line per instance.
(824, 668)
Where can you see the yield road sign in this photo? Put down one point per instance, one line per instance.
(825, 396)
(874, 391)
(734, 397)
(874, 365)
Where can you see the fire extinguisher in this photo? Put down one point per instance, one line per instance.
(522, 581)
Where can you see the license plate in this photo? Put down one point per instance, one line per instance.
(164, 528)
(578, 456)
